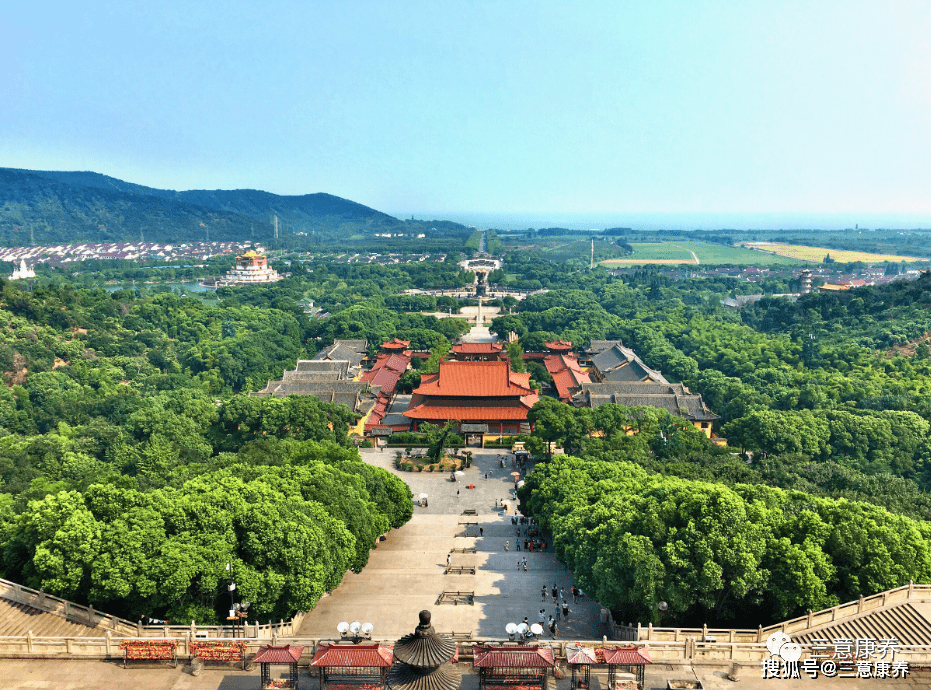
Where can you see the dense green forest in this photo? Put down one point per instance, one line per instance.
(127, 437)
(836, 424)
(132, 469)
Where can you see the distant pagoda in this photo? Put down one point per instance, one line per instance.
(250, 268)
(422, 660)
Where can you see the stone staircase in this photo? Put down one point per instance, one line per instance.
(23, 609)
(906, 622)
(17, 620)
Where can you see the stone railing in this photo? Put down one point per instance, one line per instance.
(687, 650)
(247, 630)
(85, 615)
(648, 633)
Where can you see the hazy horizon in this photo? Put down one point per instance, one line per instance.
(679, 221)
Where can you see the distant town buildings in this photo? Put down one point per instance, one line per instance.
(61, 254)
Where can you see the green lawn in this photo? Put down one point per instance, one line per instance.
(707, 253)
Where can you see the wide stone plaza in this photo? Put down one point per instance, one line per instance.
(406, 572)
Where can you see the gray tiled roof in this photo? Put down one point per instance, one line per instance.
(338, 352)
(673, 398)
(635, 388)
(321, 366)
(602, 345)
(619, 363)
(353, 351)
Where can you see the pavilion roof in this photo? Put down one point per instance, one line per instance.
(475, 380)
(352, 655)
(395, 344)
(559, 345)
(626, 656)
(517, 656)
(271, 654)
(476, 348)
(581, 655)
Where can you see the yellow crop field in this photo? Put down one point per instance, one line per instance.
(817, 254)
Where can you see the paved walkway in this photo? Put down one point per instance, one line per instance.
(406, 573)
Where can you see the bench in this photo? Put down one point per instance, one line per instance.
(220, 652)
(149, 650)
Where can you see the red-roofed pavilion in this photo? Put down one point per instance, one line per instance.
(352, 666)
(269, 655)
(474, 393)
(513, 667)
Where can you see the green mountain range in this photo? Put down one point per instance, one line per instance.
(49, 207)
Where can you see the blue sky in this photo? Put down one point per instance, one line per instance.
(492, 107)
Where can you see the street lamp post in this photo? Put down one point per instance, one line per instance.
(355, 631)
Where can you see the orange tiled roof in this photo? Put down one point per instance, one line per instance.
(559, 345)
(472, 410)
(475, 380)
(566, 374)
(395, 344)
(476, 348)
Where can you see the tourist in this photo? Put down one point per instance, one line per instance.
(448, 559)
(565, 609)
(506, 545)
(554, 628)
(517, 541)
(542, 617)
(562, 594)
(481, 531)
(555, 593)
(544, 594)
(525, 565)
(518, 565)
(525, 545)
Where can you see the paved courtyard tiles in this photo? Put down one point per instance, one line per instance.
(406, 573)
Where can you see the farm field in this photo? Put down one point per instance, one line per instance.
(817, 254)
(704, 252)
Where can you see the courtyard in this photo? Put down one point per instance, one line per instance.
(407, 571)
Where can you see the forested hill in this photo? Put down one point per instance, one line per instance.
(70, 206)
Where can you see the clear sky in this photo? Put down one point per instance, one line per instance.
(720, 107)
